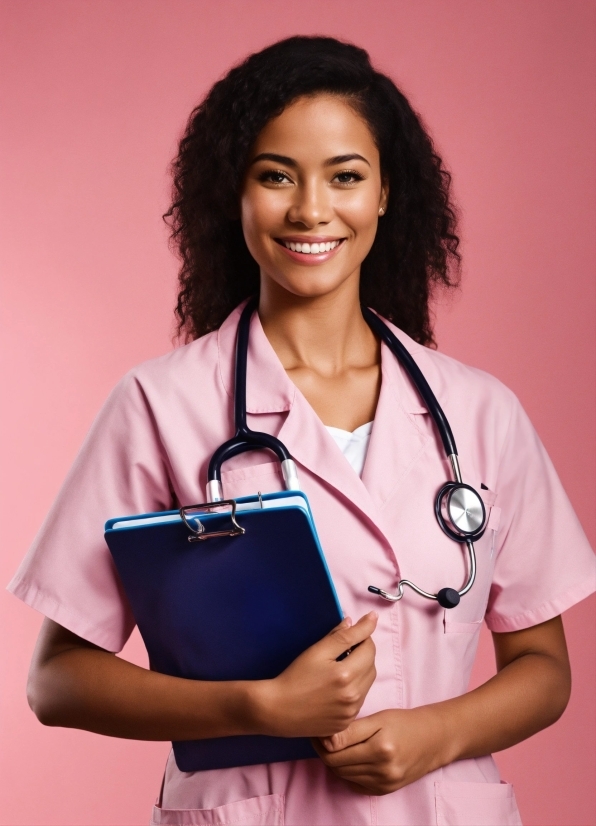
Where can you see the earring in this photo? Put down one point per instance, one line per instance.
(382, 211)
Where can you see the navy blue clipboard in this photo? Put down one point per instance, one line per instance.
(227, 607)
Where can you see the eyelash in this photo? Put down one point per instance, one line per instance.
(352, 173)
(269, 174)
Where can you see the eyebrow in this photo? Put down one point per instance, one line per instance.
(283, 159)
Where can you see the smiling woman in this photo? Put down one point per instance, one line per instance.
(306, 188)
(306, 183)
(297, 91)
(324, 176)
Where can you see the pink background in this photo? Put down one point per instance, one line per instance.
(93, 97)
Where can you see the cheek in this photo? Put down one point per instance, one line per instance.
(249, 218)
(260, 211)
(258, 216)
(361, 212)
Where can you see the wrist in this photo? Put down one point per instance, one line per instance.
(259, 703)
(227, 708)
(448, 730)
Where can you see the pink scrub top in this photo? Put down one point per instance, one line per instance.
(149, 449)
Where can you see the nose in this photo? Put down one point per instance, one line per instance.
(311, 205)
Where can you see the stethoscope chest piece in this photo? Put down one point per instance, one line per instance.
(460, 511)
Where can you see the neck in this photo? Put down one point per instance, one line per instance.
(326, 333)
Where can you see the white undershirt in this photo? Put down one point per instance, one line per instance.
(353, 445)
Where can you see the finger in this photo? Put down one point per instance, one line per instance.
(369, 785)
(359, 789)
(361, 779)
(358, 755)
(359, 731)
(362, 657)
(346, 636)
(363, 773)
(347, 653)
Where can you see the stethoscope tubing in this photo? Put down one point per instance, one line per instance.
(246, 439)
(420, 383)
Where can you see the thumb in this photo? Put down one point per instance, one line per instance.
(357, 732)
(345, 635)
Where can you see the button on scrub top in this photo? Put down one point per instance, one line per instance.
(149, 449)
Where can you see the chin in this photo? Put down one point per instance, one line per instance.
(311, 284)
(310, 290)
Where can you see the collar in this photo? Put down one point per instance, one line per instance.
(270, 390)
(399, 438)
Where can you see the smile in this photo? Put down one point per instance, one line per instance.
(315, 251)
(314, 248)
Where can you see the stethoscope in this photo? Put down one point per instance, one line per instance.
(459, 508)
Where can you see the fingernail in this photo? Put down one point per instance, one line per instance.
(348, 621)
(373, 615)
(326, 741)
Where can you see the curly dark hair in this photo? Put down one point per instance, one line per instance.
(416, 246)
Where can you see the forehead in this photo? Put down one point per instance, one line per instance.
(321, 127)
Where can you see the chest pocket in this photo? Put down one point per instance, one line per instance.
(493, 513)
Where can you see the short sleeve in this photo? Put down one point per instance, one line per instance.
(544, 562)
(68, 573)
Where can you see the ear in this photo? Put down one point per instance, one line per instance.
(384, 199)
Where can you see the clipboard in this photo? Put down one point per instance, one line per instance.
(232, 590)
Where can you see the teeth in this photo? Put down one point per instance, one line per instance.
(311, 249)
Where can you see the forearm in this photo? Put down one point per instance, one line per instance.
(526, 696)
(97, 691)
(387, 750)
(75, 684)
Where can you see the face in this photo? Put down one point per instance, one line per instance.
(311, 197)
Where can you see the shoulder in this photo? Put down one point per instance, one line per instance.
(156, 393)
(193, 365)
(458, 384)
(203, 367)
(460, 378)
(483, 413)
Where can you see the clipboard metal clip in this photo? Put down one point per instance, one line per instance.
(200, 533)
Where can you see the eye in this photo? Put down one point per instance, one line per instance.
(274, 176)
(348, 176)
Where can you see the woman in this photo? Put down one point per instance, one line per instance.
(306, 178)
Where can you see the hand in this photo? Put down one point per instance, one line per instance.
(388, 750)
(316, 696)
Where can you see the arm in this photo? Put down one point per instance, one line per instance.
(388, 750)
(76, 684)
